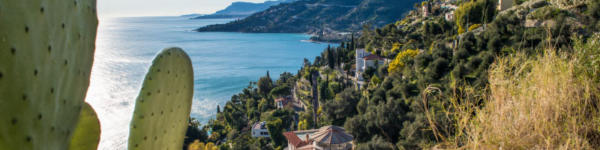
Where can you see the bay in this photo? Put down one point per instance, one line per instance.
(224, 63)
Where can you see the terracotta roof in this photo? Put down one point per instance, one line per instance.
(372, 57)
(332, 135)
(294, 139)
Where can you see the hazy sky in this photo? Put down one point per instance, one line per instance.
(116, 8)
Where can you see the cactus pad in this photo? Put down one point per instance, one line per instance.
(87, 132)
(163, 106)
(46, 54)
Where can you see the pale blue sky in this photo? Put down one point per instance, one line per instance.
(117, 8)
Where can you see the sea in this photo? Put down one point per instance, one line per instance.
(224, 63)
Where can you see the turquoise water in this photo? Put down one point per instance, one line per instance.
(224, 63)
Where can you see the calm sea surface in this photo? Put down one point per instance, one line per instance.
(224, 63)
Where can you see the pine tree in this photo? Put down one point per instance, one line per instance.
(352, 43)
(330, 58)
(265, 84)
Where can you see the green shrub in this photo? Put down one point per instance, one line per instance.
(275, 128)
(589, 56)
(567, 3)
(474, 12)
(519, 2)
(548, 12)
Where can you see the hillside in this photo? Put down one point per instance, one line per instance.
(311, 16)
(242, 9)
(524, 77)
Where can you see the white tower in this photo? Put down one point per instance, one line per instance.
(360, 54)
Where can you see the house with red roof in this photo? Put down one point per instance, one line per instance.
(365, 60)
(372, 61)
(289, 102)
(282, 102)
(325, 138)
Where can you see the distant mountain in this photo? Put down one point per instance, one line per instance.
(242, 9)
(191, 15)
(313, 16)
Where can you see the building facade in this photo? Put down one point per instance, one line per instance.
(259, 129)
(360, 53)
(364, 60)
(282, 102)
(449, 16)
(372, 61)
(425, 10)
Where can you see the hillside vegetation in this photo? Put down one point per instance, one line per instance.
(543, 102)
(523, 78)
(308, 16)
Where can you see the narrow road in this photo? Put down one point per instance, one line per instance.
(296, 100)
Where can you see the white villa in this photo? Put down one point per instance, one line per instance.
(259, 129)
(365, 60)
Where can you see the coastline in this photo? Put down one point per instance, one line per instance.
(214, 55)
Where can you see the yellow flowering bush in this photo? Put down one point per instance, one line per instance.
(401, 59)
(197, 145)
(474, 26)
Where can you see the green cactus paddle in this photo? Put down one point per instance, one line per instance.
(87, 132)
(46, 55)
(163, 106)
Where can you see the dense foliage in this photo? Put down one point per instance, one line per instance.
(408, 103)
(474, 12)
(401, 59)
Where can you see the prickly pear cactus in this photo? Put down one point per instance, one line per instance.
(87, 132)
(46, 54)
(163, 106)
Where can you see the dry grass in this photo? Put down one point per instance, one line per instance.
(535, 103)
(543, 102)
